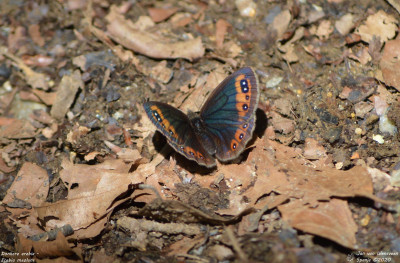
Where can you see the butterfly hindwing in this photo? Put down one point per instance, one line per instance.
(176, 127)
(229, 113)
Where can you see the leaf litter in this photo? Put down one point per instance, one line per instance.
(91, 168)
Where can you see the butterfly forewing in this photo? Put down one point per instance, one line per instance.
(176, 127)
(229, 113)
(224, 126)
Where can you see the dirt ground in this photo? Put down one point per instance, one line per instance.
(86, 177)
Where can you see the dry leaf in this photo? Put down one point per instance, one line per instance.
(30, 185)
(92, 190)
(204, 86)
(290, 54)
(160, 72)
(44, 249)
(34, 32)
(65, 95)
(220, 30)
(4, 167)
(332, 220)
(34, 79)
(313, 150)
(280, 24)
(47, 98)
(124, 32)
(380, 25)
(282, 124)
(281, 169)
(390, 63)
(324, 29)
(184, 245)
(38, 60)
(161, 14)
(345, 24)
(17, 129)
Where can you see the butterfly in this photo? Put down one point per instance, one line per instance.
(223, 126)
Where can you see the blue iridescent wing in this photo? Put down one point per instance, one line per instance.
(229, 113)
(176, 127)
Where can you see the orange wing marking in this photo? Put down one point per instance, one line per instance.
(243, 96)
(157, 114)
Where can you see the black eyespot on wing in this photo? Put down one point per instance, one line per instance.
(244, 85)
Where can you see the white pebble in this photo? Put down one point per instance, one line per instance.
(246, 7)
(378, 138)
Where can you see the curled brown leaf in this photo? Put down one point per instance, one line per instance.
(124, 32)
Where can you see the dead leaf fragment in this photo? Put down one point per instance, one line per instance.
(126, 154)
(390, 63)
(290, 54)
(38, 60)
(362, 108)
(17, 38)
(4, 167)
(221, 28)
(161, 14)
(345, 24)
(44, 249)
(91, 194)
(31, 185)
(17, 129)
(282, 124)
(34, 32)
(280, 24)
(332, 220)
(313, 150)
(380, 25)
(65, 95)
(181, 19)
(204, 85)
(47, 98)
(281, 170)
(395, 4)
(48, 132)
(324, 29)
(220, 252)
(184, 245)
(34, 79)
(144, 23)
(76, 133)
(361, 56)
(124, 32)
(161, 72)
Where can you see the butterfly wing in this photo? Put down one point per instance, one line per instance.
(229, 113)
(175, 125)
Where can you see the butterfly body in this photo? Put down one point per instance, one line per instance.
(223, 126)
